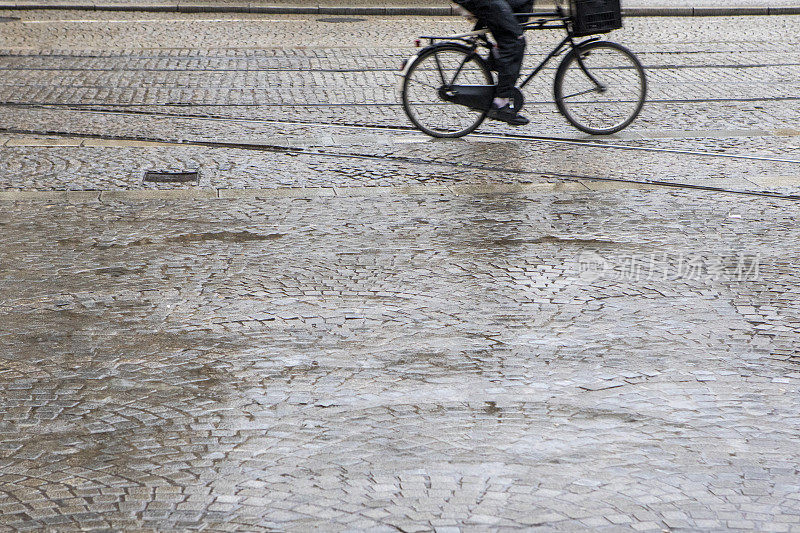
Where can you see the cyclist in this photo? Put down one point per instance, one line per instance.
(499, 17)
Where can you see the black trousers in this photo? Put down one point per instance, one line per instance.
(498, 16)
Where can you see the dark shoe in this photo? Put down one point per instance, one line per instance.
(507, 114)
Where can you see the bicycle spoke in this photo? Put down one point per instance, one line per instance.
(439, 66)
(460, 68)
(573, 95)
(418, 82)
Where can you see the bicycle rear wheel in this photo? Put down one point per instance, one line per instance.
(426, 89)
(600, 87)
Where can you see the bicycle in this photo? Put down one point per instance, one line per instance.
(599, 86)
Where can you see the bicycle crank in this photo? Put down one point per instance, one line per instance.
(476, 96)
(519, 99)
(472, 96)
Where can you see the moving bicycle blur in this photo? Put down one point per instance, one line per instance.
(599, 86)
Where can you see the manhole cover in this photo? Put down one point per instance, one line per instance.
(340, 19)
(9, 19)
(153, 176)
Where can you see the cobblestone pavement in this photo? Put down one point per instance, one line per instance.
(407, 3)
(344, 325)
(736, 99)
(404, 361)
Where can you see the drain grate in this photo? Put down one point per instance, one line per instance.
(153, 176)
(340, 19)
(9, 19)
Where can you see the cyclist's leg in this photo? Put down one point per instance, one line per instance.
(501, 21)
(517, 6)
(521, 6)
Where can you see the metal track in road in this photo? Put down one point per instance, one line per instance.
(370, 104)
(99, 109)
(608, 145)
(374, 104)
(403, 51)
(204, 70)
(401, 159)
(354, 70)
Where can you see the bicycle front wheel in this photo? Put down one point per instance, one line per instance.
(426, 89)
(600, 87)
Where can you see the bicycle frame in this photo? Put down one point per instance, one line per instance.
(546, 21)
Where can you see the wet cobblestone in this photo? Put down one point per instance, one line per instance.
(361, 354)
(744, 84)
(397, 362)
(111, 168)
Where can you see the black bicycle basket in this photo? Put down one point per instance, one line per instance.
(595, 16)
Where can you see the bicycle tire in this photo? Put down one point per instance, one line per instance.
(422, 86)
(595, 110)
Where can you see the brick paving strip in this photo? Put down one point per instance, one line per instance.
(635, 8)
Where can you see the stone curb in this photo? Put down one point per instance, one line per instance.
(381, 10)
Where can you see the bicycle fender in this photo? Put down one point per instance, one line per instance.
(587, 41)
(407, 64)
(410, 61)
